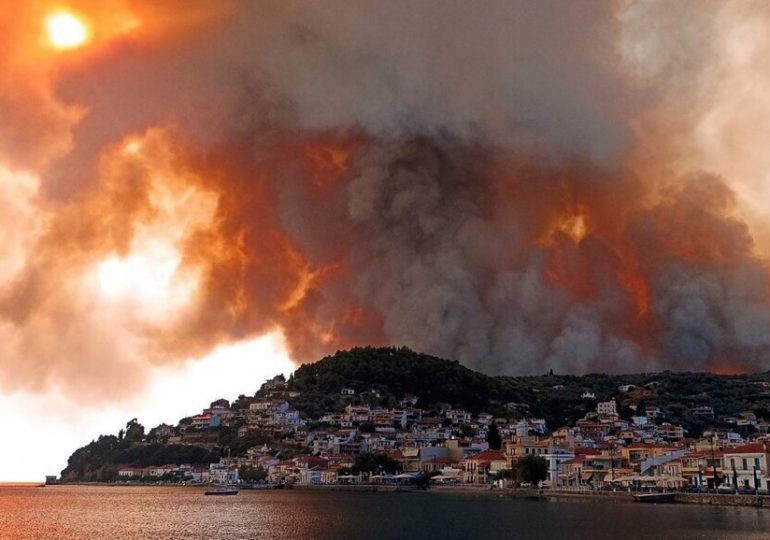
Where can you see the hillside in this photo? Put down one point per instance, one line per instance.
(394, 372)
(383, 377)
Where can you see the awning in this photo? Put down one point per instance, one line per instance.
(661, 479)
(587, 476)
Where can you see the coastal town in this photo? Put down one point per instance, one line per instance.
(449, 446)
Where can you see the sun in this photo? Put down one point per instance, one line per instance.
(66, 31)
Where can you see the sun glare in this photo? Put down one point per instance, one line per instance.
(66, 31)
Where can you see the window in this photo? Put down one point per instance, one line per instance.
(745, 464)
(756, 463)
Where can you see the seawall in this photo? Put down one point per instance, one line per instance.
(723, 499)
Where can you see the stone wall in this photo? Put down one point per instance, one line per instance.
(723, 499)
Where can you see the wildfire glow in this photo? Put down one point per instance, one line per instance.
(575, 227)
(139, 276)
(66, 31)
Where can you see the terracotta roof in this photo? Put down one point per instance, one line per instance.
(753, 448)
(488, 455)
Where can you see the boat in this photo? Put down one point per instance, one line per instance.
(222, 489)
(665, 497)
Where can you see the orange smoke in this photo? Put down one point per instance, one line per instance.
(190, 174)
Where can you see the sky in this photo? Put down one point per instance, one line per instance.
(195, 195)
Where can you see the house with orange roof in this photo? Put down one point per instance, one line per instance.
(481, 467)
(698, 467)
(436, 464)
(747, 466)
(130, 472)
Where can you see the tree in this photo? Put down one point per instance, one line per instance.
(493, 437)
(641, 407)
(134, 431)
(532, 469)
(625, 412)
(371, 462)
(108, 473)
(252, 474)
(466, 431)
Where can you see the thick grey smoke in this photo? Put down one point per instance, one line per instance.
(508, 183)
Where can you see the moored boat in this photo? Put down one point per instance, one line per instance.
(666, 497)
(222, 490)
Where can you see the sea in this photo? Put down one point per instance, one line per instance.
(144, 513)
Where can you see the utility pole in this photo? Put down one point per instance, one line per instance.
(714, 463)
(612, 464)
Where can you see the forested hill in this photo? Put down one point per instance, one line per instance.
(393, 372)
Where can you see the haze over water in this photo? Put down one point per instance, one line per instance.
(141, 513)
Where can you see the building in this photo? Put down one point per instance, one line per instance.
(482, 467)
(607, 408)
(203, 421)
(704, 411)
(652, 413)
(554, 461)
(746, 466)
(670, 432)
(130, 472)
(458, 416)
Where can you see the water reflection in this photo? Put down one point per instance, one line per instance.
(135, 513)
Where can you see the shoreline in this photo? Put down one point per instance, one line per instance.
(703, 499)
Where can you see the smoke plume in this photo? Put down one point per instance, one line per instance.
(521, 186)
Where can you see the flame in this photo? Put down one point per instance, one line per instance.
(304, 283)
(574, 226)
(328, 161)
(637, 288)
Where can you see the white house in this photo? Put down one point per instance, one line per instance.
(554, 460)
(223, 474)
(607, 408)
(130, 472)
(746, 466)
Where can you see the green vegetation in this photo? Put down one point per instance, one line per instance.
(493, 438)
(374, 463)
(531, 469)
(252, 474)
(384, 377)
(391, 372)
(100, 460)
(394, 372)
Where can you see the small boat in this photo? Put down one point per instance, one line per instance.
(666, 497)
(222, 490)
